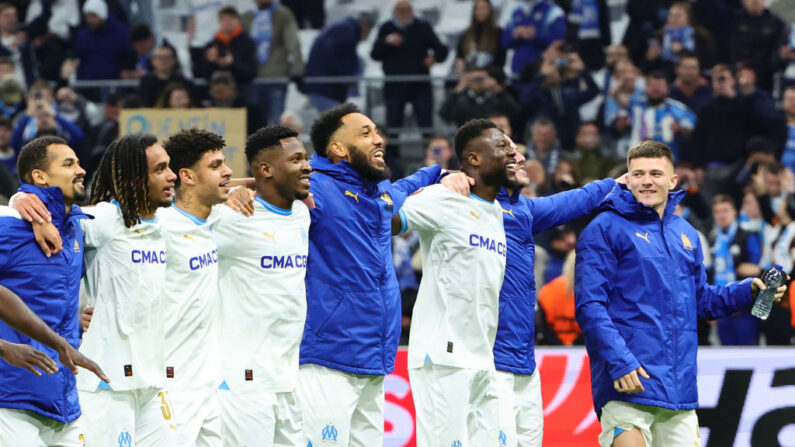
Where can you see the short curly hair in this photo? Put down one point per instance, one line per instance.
(469, 131)
(328, 123)
(265, 138)
(34, 155)
(187, 147)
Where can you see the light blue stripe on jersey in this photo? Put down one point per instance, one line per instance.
(103, 385)
(617, 431)
(404, 225)
(478, 198)
(190, 216)
(139, 217)
(272, 208)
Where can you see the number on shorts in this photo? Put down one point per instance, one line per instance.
(164, 407)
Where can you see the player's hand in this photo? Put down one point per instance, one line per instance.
(622, 179)
(757, 285)
(85, 317)
(72, 358)
(310, 201)
(630, 383)
(458, 182)
(25, 356)
(242, 201)
(31, 208)
(48, 238)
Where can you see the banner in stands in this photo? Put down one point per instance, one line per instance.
(229, 123)
(747, 399)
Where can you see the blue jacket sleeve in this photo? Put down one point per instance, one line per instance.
(420, 179)
(593, 273)
(555, 31)
(719, 301)
(560, 208)
(507, 40)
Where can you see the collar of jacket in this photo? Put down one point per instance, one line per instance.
(52, 197)
(343, 172)
(621, 200)
(503, 195)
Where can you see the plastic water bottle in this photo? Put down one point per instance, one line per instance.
(773, 279)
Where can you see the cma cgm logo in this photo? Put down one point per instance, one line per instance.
(283, 262)
(204, 260)
(329, 433)
(148, 256)
(476, 240)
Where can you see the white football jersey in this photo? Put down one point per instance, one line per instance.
(191, 299)
(263, 297)
(463, 248)
(125, 280)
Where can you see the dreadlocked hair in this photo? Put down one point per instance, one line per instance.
(123, 175)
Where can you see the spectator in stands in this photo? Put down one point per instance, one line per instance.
(407, 45)
(563, 178)
(165, 71)
(14, 44)
(12, 96)
(538, 187)
(293, 121)
(544, 145)
(645, 18)
(41, 119)
(690, 88)
(232, 50)
(736, 255)
(71, 106)
(334, 53)
(479, 45)
(556, 308)
(202, 23)
(557, 92)
(102, 134)
(655, 116)
(49, 26)
(588, 159)
(143, 42)
(786, 57)
(778, 328)
(308, 13)
(605, 76)
(8, 156)
(615, 112)
(224, 94)
(788, 104)
(562, 241)
(479, 94)
(679, 35)
(755, 38)
(588, 30)
(174, 96)
(278, 52)
(438, 151)
(533, 26)
(103, 44)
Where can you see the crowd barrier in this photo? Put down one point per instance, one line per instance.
(746, 395)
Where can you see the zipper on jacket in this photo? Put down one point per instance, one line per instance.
(673, 327)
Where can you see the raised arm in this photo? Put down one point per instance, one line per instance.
(560, 208)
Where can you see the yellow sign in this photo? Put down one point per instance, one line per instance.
(162, 123)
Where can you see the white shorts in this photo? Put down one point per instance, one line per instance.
(660, 427)
(455, 406)
(131, 418)
(342, 407)
(260, 419)
(198, 417)
(22, 428)
(521, 411)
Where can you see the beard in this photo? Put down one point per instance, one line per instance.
(361, 163)
(655, 101)
(499, 177)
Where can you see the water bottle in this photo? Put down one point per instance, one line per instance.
(773, 279)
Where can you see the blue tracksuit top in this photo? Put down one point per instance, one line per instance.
(640, 286)
(549, 21)
(522, 217)
(51, 289)
(352, 293)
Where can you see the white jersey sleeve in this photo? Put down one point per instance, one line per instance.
(103, 227)
(423, 211)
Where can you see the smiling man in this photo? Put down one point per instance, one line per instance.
(454, 323)
(640, 285)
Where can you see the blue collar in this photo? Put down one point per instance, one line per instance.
(113, 201)
(272, 208)
(190, 216)
(52, 198)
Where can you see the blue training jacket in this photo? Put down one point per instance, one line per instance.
(51, 289)
(640, 285)
(352, 293)
(522, 217)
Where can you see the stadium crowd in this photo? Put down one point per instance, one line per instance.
(712, 79)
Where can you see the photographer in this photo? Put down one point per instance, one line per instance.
(558, 90)
(479, 94)
(41, 119)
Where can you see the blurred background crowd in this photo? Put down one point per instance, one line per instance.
(574, 82)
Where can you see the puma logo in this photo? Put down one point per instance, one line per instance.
(472, 213)
(269, 236)
(355, 196)
(643, 236)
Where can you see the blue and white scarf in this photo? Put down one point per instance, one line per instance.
(586, 14)
(684, 36)
(724, 261)
(262, 32)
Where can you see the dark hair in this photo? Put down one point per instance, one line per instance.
(6, 5)
(187, 147)
(222, 77)
(789, 87)
(164, 100)
(687, 54)
(34, 155)
(266, 138)
(123, 174)
(6, 60)
(657, 74)
(228, 11)
(131, 101)
(328, 123)
(469, 131)
(113, 99)
(724, 198)
(650, 149)
(140, 32)
(5, 122)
